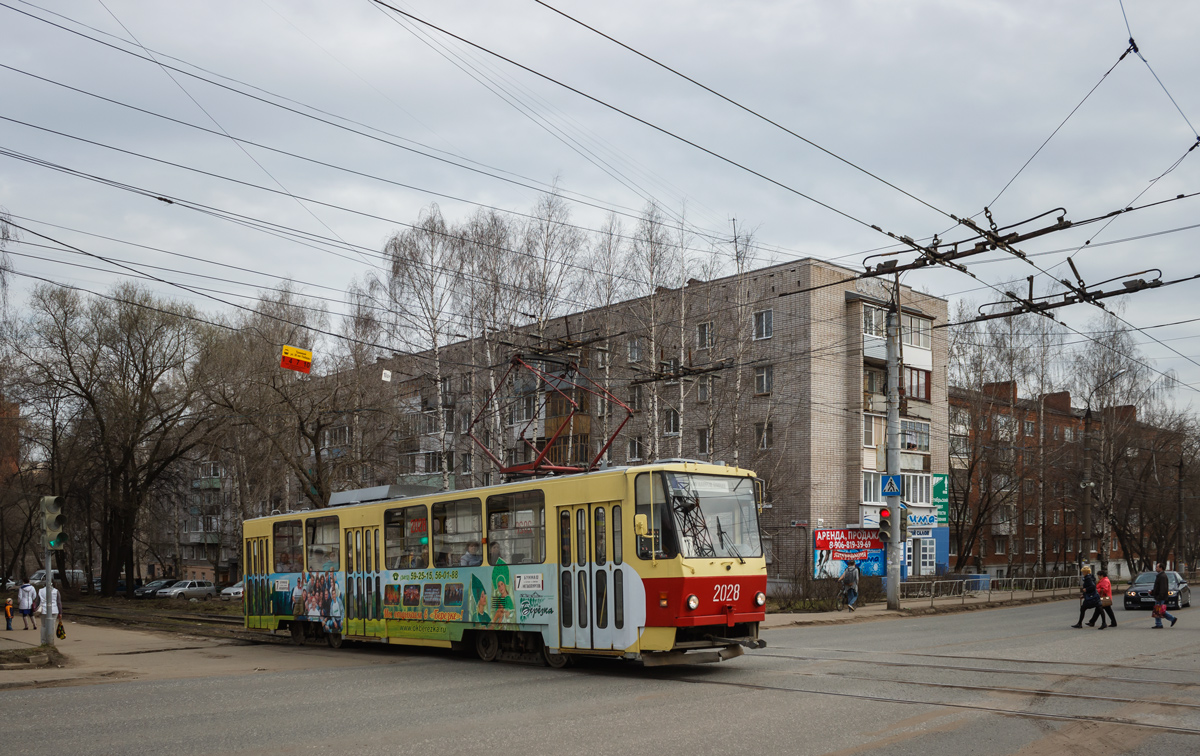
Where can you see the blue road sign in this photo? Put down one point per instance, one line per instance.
(891, 485)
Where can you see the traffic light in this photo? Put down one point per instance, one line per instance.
(53, 521)
(885, 524)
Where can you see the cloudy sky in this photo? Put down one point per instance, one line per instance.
(945, 101)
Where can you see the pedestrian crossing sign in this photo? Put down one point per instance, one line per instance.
(891, 485)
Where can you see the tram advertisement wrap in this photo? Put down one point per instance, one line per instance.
(501, 595)
(312, 596)
(834, 549)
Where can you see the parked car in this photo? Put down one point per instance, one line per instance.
(120, 586)
(232, 592)
(77, 577)
(11, 585)
(186, 589)
(149, 589)
(1137, 595)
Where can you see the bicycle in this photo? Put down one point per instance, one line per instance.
(843, 598)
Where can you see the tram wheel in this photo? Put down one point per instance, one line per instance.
(556, 661)
(334, 640)
(298, 633)
(487, 645)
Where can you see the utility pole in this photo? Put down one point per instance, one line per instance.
(1179, 515)
(894, 544)
(48, 619)
(1088, 484)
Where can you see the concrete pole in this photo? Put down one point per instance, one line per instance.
(894, 547)
(48, 616)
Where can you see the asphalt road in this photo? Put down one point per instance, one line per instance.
(1003, 681)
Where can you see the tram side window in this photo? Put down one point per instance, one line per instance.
(323, 537)
(456, 525)
(660, 522)
(406, 538)
(618, 545)
(289, 546)
(517, 528)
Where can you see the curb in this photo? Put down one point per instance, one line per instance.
(918, 611)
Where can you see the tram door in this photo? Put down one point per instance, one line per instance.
(362, 603)
(585, 576)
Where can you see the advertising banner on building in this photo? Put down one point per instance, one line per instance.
(941, 497)
(834, 549)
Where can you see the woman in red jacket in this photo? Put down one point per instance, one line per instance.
(1104, 588)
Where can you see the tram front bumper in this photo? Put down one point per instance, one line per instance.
(667, 658)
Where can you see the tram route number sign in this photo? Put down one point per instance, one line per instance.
(294, 358)
(529, 582)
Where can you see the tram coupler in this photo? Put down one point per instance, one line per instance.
(750, 644)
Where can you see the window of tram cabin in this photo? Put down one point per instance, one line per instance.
(650, 499)
(406, 538)
(323, 544)
(517, 528)
(456, 525)
(289, 546)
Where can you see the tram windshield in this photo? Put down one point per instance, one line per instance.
(715, 516)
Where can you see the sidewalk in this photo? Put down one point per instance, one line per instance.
(916, 606)
(103, 654)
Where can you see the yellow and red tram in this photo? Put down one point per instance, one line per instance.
(660, 562)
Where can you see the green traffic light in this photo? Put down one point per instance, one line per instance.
(424, 540)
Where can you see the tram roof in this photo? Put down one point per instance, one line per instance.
(688, 465)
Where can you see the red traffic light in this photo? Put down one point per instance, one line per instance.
(885, 512)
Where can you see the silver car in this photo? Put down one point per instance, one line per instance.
(232, 592)
(185, 589)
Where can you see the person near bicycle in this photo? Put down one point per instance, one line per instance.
(850, 583)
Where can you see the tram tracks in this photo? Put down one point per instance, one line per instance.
(993, 670)
(1021, 714)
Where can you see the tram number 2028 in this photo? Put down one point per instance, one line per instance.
(727, 592)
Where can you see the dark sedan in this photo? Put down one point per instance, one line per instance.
(149, 589)
(1137, 595)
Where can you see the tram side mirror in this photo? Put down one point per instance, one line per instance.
(641, 526)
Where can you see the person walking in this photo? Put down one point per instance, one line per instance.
(50, 611)
(8, 614)
(1089, 598)
(25, 596)
(1104, 589)
(850, 584)
(1162, 586)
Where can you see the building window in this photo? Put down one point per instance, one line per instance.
(764, 379)
(635, 398)
(338, 436)
(705, 338)
(522, 410)
(916, 384)
(1028, 486)
(704, 388)
(634, 448)
(635, 349)
(918, 489)
(210, 469)
(600, 357)
(914, 435)
(874, 381)
(960, 446)
(1068, 434)
(1000, 543)
(1055, 433)
(465, 467)
(764, 326)
(1056, 517)
(1055, 546)
(1028, 545)
(915, 331)
(868, 430)
(872, 488)
(670, 422)
(764, 435)
(1030, 427)
(703, 442)
(874, 321)
(670, 368)
(1070, 545)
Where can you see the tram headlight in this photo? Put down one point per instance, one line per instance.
(760, 598)
(693, 601)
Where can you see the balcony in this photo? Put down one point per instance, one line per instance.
(200, 538)
(212, 482)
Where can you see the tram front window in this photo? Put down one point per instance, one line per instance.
(716, 516)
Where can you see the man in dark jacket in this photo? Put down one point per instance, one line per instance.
(1161, 587)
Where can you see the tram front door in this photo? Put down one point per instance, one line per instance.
(588, 594)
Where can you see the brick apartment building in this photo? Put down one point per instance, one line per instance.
(1017, 505)
(780, 370)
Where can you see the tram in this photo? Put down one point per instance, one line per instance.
(660, 563)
